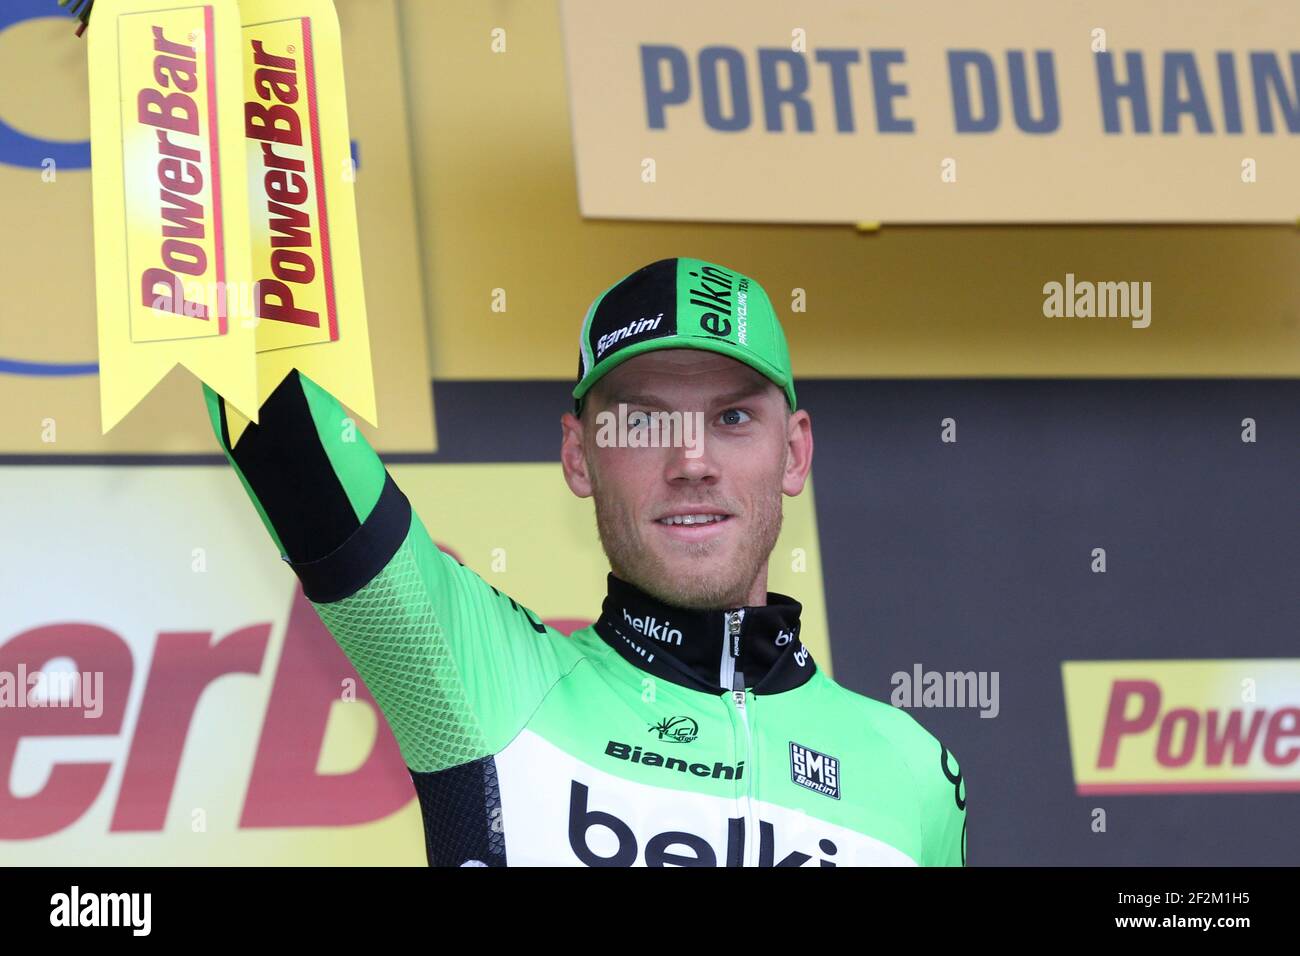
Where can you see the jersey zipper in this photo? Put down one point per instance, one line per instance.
(730, 677)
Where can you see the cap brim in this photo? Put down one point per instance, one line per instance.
(721, 347)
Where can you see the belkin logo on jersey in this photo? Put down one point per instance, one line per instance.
(815, 770)
(653, 627)
(600, 837)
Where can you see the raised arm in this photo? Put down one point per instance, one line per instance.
(317, 484)
(455, 665)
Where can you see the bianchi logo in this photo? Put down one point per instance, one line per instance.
(814, 770)
(648, 758)
(681, 730)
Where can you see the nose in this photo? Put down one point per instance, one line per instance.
(691, 460)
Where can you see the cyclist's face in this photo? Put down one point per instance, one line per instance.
(687, 454)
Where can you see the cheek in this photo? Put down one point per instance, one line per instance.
(757, 471)
(624, 476)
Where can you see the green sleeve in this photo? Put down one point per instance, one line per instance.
(456, 667)
(937, 786)
(943, 808)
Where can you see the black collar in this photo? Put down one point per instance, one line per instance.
(697, 649)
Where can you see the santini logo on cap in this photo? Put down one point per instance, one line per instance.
(627, 332)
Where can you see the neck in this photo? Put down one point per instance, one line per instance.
(758, 590)
(755, 645)
(755, 595)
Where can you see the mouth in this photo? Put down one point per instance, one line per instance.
(693, 525)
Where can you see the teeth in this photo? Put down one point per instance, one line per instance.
(692, 519)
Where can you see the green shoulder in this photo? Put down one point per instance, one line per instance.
(937, 776)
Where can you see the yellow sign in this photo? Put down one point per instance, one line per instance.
(171, 222)
(845, 112)
(1184, 726)
(310, 302)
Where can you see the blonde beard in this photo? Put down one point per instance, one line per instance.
(708, 586)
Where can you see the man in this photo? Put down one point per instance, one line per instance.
(689, 725)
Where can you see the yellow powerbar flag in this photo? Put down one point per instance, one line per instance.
(311, 304)
(259, 262)
(172, 261)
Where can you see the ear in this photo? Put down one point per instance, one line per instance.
(573, 456)
(799, 452)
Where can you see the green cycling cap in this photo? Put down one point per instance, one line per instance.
(683, 303)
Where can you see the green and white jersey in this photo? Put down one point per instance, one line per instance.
(654, 737)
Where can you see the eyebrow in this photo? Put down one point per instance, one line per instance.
(654, 401)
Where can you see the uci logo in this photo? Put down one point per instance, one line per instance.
(681, 730)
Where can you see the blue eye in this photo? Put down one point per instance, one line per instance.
(637, 420)
(732, 417)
